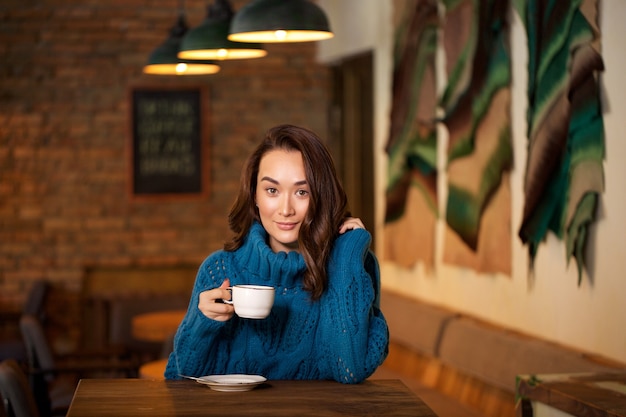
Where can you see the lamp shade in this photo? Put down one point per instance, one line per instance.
(280, 21)
(209, 40)
(164, 59)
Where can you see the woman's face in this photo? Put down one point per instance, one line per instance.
(282, 197)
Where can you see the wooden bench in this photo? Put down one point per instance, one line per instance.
(469, 361)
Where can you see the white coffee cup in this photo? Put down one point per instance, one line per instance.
(252, 301)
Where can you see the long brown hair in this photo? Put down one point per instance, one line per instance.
(328, 206)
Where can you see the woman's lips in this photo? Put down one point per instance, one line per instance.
(286, 226)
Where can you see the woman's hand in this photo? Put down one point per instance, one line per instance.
(211, 305)
(351, 223)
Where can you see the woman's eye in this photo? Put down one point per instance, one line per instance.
(302, 193)
(271, 190)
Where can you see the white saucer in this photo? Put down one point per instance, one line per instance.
(231, 383)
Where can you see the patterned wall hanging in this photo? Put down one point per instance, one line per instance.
(411, 211)
(476, 104)
(564, 168)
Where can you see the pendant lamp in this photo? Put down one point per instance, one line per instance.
(280, 21)
(210, 39)
(164, 59)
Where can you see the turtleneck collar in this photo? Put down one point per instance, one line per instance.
(257, 259)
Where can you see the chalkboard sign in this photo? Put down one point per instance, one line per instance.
(167, 149)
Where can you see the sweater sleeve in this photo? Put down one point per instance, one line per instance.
(354, 332)
(197, 340)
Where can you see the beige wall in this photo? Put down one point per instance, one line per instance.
(591, 317)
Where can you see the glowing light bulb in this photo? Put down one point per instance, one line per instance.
(181, 68)
(281, 35)
(222, 53)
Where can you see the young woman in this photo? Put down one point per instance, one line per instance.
(292, 231)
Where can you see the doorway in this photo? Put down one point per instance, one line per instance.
(352, 132)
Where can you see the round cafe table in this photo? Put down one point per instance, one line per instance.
(157, 326)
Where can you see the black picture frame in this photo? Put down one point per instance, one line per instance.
(168, 148)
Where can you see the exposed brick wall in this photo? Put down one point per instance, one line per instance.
(66, 67)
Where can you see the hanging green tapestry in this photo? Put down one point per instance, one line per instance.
(411, 209)
(564, 168)
(476, 105)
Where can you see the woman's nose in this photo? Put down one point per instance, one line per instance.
(286, 208)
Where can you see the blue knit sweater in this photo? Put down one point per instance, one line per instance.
(342, 336)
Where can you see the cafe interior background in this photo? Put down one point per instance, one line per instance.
(446, 212)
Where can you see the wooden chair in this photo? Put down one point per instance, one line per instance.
(54, 378)
(15, 392)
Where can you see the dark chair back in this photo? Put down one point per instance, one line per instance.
(34, 305)
(39, 358)
(38, 350)
(16, 393)
(53, 379)
(13, 347)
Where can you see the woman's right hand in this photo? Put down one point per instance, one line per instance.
(211, 305)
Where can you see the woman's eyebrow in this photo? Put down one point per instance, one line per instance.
(273, 181)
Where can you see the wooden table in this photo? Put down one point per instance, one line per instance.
(156, 326)
(578, 394)
(141, 397)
